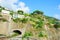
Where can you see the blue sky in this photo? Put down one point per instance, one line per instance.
(49, 7)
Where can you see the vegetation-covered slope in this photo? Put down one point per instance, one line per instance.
(36, 23)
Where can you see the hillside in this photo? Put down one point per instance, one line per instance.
(34, 25)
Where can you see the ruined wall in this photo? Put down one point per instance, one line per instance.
(4, 26)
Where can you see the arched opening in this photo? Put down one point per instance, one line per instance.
(18, 32)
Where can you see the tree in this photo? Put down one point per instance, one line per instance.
(57, 25)
(0, 8)
(37, 12)
(11, 13)
(20, 12)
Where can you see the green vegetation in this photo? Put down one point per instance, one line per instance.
(28, 34)
(24, 20)
(17, 20)
(2, 19)
(20, 12)
(1, 8)
(37, 12)
(39, 24)
(13, 35)
(0, 15)
(42, 34)
(11, 13)
(2, 35)
(37, 21)
(57, 25)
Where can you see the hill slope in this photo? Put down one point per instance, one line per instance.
(36, 24)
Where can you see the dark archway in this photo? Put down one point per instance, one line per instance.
(18, 32)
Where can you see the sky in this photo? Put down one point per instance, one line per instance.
(49, 7)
